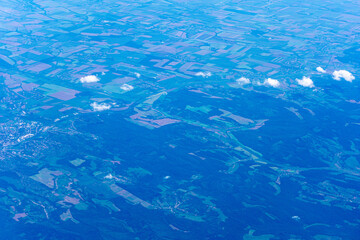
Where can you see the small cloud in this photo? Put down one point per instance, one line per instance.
(337, 75)
(204, 75)
(272, 82)
(138, 75)
(89, 79)
(100, 107)
(243, 81)
(320, 70)
(305, 82)
(126, 87)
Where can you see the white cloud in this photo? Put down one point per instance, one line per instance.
(89, 79)
(320, 70)
(305, 82)
(337, 75)
(204, 75)
(243, 81)
(126, 87)
(272, 82)
(100, 107)
(138, 75)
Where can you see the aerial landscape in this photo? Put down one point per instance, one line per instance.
(179, 119)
